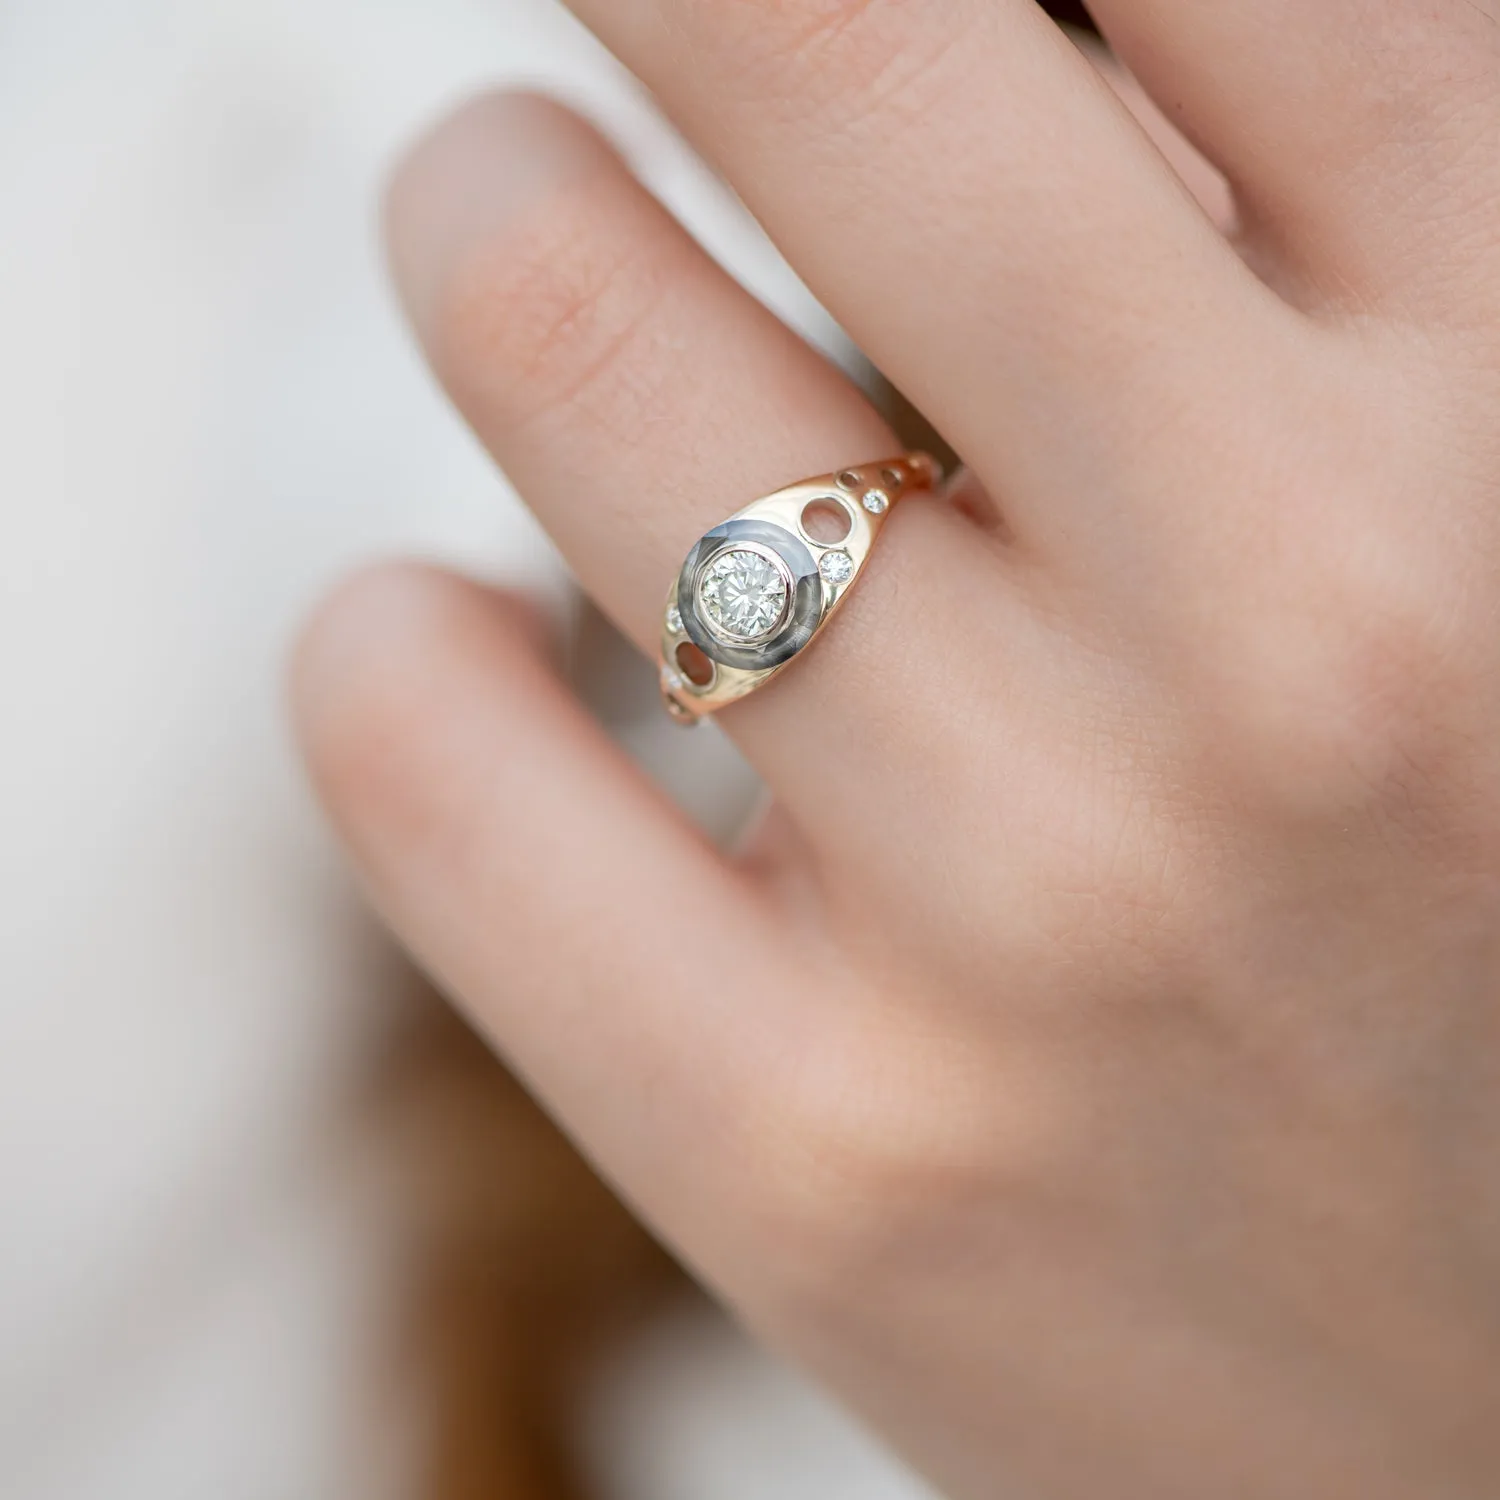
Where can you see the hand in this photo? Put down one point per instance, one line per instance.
(1093, 1068)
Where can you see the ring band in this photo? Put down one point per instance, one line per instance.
(758, 588)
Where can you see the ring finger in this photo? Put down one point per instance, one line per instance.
(637, 396)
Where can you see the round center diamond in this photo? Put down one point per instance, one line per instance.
(744, 594)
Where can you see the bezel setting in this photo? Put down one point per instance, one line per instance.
(704, 609)
(805, 600)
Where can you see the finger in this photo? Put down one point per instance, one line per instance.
(541, 877)
(1198, 175)
(637, 396)
(955, 181)
(1354, 134)
(624, 383)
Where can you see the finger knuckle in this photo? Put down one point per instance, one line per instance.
(851, 1159)
(758, 29)
(1360, 702)
(545, 320)
(812, 53)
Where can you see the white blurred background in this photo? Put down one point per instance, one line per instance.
(207, 410)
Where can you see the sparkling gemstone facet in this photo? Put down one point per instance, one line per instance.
(674, 620)
(837, 567)
(876, 502)
(744, 594)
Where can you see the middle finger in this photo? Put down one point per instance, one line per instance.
(973, 203)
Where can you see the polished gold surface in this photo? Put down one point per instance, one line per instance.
(866, 493)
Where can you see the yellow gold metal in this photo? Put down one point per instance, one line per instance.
(866, 494)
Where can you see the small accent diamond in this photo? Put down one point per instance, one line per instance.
(674, 620)
(876, 502)
(671, 680)
(837, 567)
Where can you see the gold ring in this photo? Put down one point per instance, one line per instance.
(757, 589)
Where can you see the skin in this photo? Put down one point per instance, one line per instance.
(1092, 1069)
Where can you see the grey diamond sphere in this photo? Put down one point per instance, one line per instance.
(743, 594)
